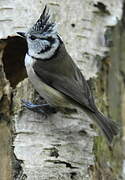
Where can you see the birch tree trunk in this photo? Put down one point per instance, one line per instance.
(63, 146)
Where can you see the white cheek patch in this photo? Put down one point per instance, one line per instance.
(45, 55)
(44, 44)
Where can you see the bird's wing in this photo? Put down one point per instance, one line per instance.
(72, 84)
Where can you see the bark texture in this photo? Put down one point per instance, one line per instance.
(63, 146)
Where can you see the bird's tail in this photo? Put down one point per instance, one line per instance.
(109, 128)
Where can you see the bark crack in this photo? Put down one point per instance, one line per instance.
(68, 165)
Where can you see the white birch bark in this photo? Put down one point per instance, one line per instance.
(61, 146)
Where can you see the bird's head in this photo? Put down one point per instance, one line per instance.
(42, 39)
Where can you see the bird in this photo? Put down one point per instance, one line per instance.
(56, 77)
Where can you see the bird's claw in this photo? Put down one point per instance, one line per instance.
(44, 109)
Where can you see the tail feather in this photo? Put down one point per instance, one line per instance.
(109, 128)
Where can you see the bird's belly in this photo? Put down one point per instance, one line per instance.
(51, 95)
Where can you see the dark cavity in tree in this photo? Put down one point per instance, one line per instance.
(13, 60)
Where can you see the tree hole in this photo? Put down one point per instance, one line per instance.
(13, 60)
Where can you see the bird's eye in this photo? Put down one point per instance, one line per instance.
(32, 37)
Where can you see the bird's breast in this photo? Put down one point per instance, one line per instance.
(51, 95)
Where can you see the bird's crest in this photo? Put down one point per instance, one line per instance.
(43, 25)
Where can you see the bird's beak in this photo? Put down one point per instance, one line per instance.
(22, 34)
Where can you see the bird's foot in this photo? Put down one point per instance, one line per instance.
(44, 109)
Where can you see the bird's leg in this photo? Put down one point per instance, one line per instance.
(44, 109)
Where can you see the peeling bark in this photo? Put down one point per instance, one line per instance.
(5, 132)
